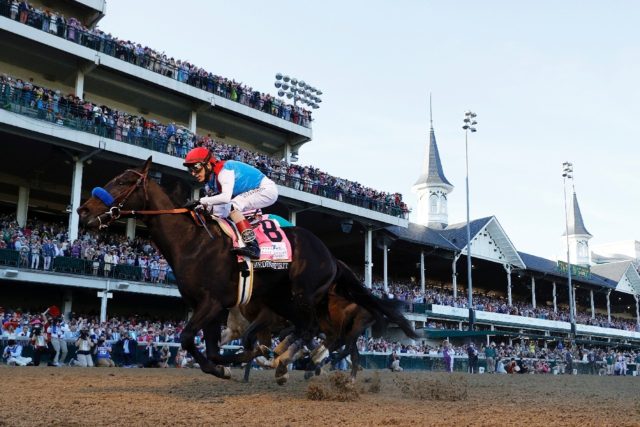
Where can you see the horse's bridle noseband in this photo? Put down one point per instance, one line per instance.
(115, 212)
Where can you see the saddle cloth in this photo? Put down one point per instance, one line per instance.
(275, 248)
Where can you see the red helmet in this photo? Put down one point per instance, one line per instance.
(198, 155)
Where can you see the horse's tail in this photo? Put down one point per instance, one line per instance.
(387, 309)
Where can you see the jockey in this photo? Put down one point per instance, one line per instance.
(235, 184)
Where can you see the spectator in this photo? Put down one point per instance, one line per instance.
(56, 331)
(13, 354)
(472, 353)
(395, 363)
(40, 345)
(85, 345)
(103, 353)
(490, 357)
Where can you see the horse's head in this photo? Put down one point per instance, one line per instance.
(126, 191)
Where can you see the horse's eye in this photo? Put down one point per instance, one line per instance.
(120, 183)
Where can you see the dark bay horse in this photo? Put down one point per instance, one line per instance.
(207, 271)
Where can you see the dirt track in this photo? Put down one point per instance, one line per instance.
(91, 396)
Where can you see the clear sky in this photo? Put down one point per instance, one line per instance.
(550, 81)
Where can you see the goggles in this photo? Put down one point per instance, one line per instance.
(195, 168)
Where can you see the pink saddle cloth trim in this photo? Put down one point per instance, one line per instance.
(277, 248)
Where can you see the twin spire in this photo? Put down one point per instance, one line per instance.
(432, 186)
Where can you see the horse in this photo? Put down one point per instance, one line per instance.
(207, 271)
(340, 320)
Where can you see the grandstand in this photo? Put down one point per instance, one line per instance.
(79, 105)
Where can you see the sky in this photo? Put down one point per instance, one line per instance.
(550, 82)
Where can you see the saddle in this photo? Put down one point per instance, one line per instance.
(275, 248)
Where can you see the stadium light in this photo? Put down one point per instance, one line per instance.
(469, 125)
(298, 91)
(567, 175)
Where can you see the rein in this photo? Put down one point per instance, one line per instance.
(115, 212)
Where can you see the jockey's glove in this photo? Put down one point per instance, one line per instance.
(193, 205)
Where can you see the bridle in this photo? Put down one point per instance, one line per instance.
(114, 211)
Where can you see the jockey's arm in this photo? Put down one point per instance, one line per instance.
(226, 178)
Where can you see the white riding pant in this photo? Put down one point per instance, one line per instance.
(265, 195)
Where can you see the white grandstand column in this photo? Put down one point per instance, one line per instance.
(507, 268)
(67, 304)
(368, 261)
(104, 297)
(80, 84)
(287, 152)
(533, 292)
(422, 278)
(193, 121)
(385, 268)
(555, 301)
(454, 276)
(23, 206)
(637, 309)
(131, 228)
(575, 305)
(293, 217)
(76, 190)
(593, 306)
(609, 305)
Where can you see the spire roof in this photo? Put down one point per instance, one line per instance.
(432, 172)
(576, 224)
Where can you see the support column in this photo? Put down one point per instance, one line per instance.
(575, 304)
(593, 306)
(193, 121)
(104, 297)
(422, 278)
(67, 304)
(454, 277)
(287, 153)
(293, 217)
(555, 300)
(23, 206)
(637, 309)
(76, 191)
(368, 261)
(131, 228)
(507, 268)
(609, 305)
(385, 268)
(80, 84)
(533, 292)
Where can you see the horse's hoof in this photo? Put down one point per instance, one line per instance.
(283, 379)
(263, 350)
(226, 372)
(318, 371)
(281, 370)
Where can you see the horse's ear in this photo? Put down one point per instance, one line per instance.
(147, 165)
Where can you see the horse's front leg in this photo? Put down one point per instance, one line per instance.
(203, 315)
(249, 340)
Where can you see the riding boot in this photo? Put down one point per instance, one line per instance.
(251, 248)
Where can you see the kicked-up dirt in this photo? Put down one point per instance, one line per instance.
(39, 396)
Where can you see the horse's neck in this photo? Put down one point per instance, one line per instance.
(173, 234)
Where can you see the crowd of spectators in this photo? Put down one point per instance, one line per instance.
(40, 242)
(176, 140)
(523, 356)
(412, 294)
(131, 335)
(70, 28)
